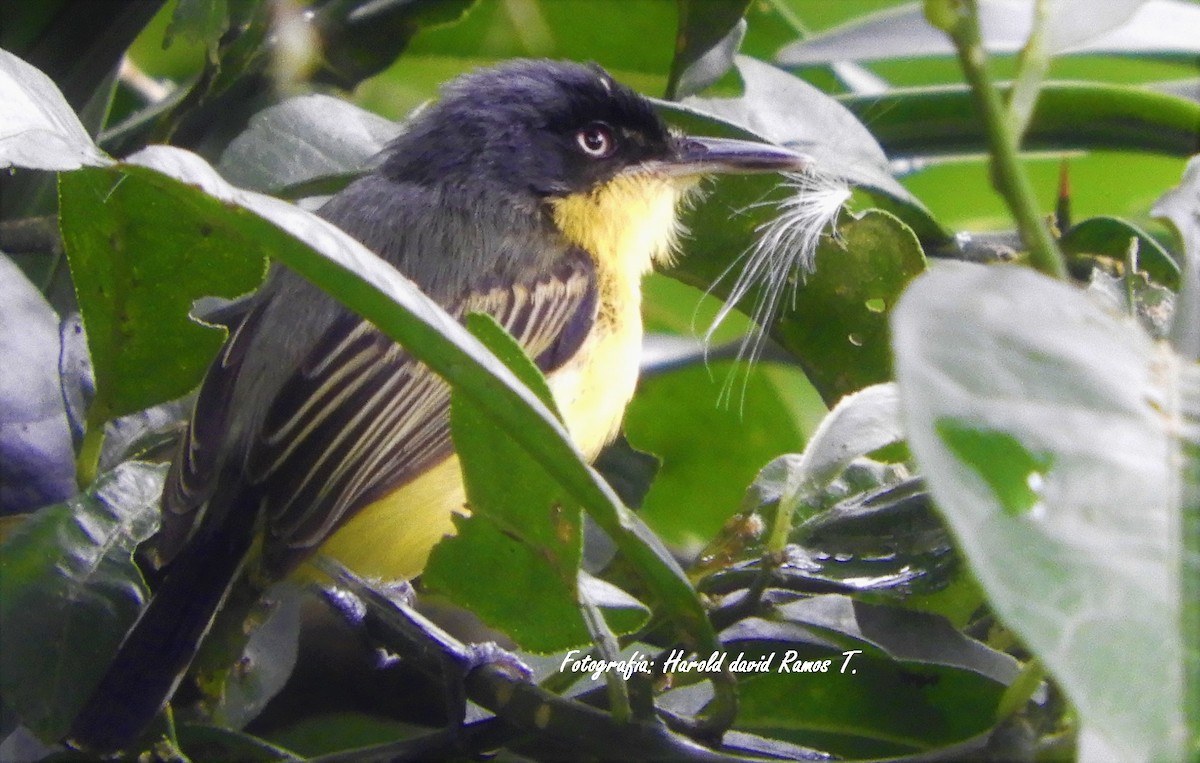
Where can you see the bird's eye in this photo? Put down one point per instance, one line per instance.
(597, 141)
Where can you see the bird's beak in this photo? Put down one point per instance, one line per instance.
(705, 156)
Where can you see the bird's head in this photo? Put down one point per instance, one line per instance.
(589, 151)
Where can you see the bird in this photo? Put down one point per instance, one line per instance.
(538, 192)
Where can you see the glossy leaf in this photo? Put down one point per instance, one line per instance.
(1043, 426)
(36, 454)
(886, 681)
(67, 579)
(302, 140)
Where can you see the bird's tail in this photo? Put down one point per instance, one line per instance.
(156, 653)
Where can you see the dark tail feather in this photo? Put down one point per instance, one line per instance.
(156, 653)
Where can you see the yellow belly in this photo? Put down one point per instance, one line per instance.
(392, 537)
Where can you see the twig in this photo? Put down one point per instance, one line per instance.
(960, 20)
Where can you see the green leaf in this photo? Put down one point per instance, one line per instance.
(710, 450)
(38, 129)
(140, 254)
(218, 743)
(515, 561)
(1016, 387)
(359, 40)
(1012, 472)
(67, 579)
(633, 39)
(942, 120)
(199, 21)
(837, 325)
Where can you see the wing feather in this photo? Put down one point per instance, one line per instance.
(362, 417)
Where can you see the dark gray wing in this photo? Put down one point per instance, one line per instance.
(360, 417)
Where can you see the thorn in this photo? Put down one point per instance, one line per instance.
(1062, 209)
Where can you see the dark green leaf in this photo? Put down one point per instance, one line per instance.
(359, 40)
(218, 743)
(915, 682)
(202, 21)
(1110, 237)
(68, 581)
(838, 329)
(325, 734)
(940, 120)
(860, 423)
(1078, 396)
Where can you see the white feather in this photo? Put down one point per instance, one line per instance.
(784, 253)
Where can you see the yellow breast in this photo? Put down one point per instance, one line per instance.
(626, 225)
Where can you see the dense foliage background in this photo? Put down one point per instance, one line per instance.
(980, 480)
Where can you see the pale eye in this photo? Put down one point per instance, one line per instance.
(596, 140)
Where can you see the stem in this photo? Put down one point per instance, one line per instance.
(1131, 266)
(87, 463)
(960, 20)
(610, 650)
(1021, 690)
